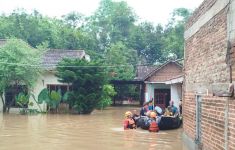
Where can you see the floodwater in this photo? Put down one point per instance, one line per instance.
(102, 130)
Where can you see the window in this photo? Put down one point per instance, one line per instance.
(56, 87)
(13, 91)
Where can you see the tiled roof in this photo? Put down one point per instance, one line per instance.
(142, 71)
(52, 57)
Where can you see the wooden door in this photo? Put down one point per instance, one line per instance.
(161, 97)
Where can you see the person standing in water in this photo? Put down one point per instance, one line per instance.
(129, 122)
(153, 125)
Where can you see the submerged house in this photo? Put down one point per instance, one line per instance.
(47, 79)
(161, 83)
(209, 102)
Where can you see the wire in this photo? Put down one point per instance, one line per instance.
(61, 66)
(52, 65)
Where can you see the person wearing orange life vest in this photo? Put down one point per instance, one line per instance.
(153, 125)
(129, 122)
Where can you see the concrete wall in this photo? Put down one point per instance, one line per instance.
(176, 93)
(150, 89)
(206, 64)
(42, 82)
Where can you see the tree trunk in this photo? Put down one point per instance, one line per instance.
(4, 108)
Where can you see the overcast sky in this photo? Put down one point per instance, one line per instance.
(156, 11)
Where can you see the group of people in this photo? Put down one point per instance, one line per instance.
(149, 116)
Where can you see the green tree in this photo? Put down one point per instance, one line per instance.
(147, 40)
(111, 23)
(121, 60)
(174, 33)
(19, 66)
(106, 99)
(87, 80)
(74, 19)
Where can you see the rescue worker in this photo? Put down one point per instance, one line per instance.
(129, 123)
(153, 125)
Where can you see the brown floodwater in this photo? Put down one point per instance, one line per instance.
(102, 130)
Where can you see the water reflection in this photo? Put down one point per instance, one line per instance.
(100, 130)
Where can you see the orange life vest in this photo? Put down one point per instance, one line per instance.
(153, 127)
(129, 123)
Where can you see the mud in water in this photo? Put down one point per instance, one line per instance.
(102, 130)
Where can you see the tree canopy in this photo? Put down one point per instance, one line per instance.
(111, 24)
(20, 64)
(87, 81)
(113, 36)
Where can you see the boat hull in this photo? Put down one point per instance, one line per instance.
(168, 123)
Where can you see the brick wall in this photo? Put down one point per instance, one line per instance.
(189, 114)
(205, 54)
(165, 73)
(202, 9)
(232, 124)
(213, 111)
(205, 64)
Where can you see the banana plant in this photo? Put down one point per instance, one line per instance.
(52, 99)
(23, 101)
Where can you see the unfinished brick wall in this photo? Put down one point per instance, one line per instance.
(202, 9)
(189, 114)
(232, 124)
(213, 122)
(205, 64)
(205, 59)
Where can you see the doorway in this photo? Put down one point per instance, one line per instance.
(162, 97)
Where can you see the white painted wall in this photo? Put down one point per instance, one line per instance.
(150, 89)
(42, 82)
(176, 93)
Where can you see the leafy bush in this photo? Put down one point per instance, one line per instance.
(106, 98)
(87, 81)
(22, 100)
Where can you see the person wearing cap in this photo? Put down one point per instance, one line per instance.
(129, 123)
(144, 109)
(152, 122)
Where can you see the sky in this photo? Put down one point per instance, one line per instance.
(155, 11)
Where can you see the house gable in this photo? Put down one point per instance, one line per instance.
(165, 72)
